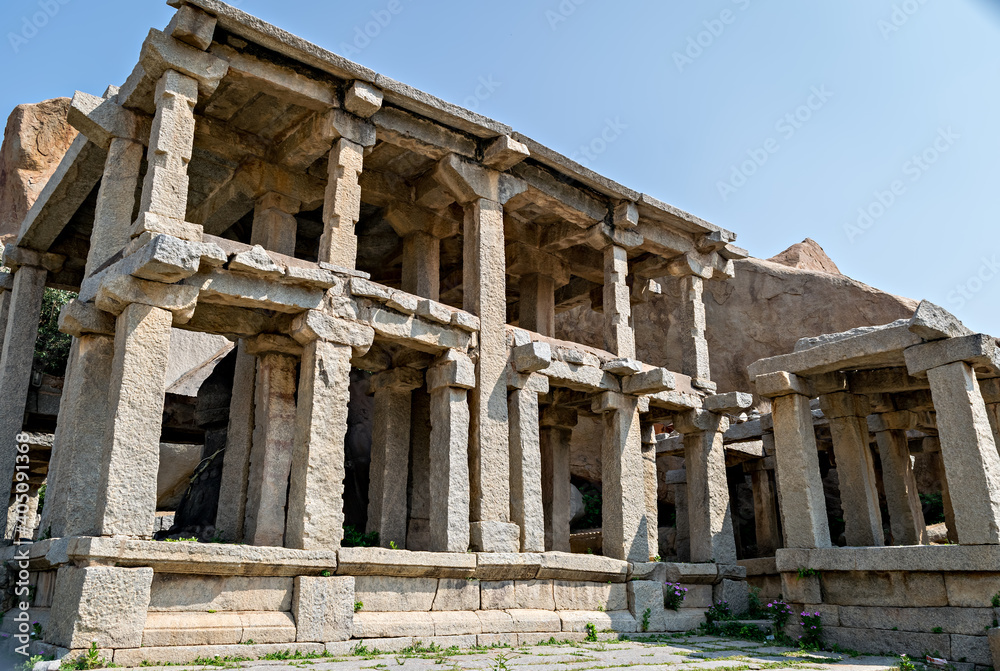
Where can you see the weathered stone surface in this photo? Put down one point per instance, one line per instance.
(526, 469)
(534, 594)
(967, 621)
(704, 574)
(404, 563)
(167, 629)
(576, 595)
(877, 641)
(368, 625)
(971, 590)
(566, 566)
(386, 594)
(643, 596)
(324, 608)
(801, 589)
(733, 592)
(180, 593)
(103, 604)
(526, 621)
(620, 621)
(457, 594)
(899, 589)
(709, 514)
(508, 565)
(497, 594)
(456, 623)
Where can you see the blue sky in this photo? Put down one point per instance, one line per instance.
(868, 125)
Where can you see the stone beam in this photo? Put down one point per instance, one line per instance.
(278, 81)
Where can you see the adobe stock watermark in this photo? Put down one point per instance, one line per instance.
(366, 33)
(485, 89)
(613, 129)
(900, 16)
(32, 24)
(562, 12)
(22, 542)
(967, 290)
(913, 169)
(787, 126)
(714, 29)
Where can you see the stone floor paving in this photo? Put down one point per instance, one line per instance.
(673, 652)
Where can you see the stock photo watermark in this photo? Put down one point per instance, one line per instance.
(967, 290)
(33, 23)
(705, 39)
(485, 89)
(913, 170)
(366, 33)
(787, 127)
(900, 16)
(613, 129)
(562, 12)
(25, 629)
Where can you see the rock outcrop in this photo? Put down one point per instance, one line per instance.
(35, 140)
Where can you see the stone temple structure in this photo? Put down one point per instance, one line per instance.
(336, 225)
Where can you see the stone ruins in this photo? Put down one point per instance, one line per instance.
(407, 322)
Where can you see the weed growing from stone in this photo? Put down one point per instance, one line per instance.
(674, 595)
(645, 619)
(358, 605)
(591, 632)
(812, 631)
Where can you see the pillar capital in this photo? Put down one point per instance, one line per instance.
(531, 358)
(610, 401)
(408, 219)
(363, 99)
(271, 343)
(700, 421)
(901, 420)
(468, 182)
(78, 319)
(533, 382)
(102, 120)
(559, 417)
(397, 380)
(14, 257)
(315, 325)
(979, 351)
(118, 291)
(781, 383)
(452, 369)
(844, 404)
(734, 401)
(504, 153)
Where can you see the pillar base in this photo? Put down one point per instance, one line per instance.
(494, 537)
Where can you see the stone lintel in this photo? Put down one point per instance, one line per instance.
(452, 369)
(363, 99)
(532, 357)
(14, 257)
(979, 351)
(625, 215)
(315, 325)
(102, 120)
(558, 417)
(407, 218)
(732, 402)
(160, 53)
(900, 420)
(602, 235)
(272, 343)
(622, 366)
(829, 383)
(523, 259)
(781, 383)
(844, 404)
(193, 26)
(468, 181)
(698, 421)
(504, 153)
(687, 265)
(116, 292)
(531, 382)
(397, 379)
(78, 319)
(933, 322)
(649, 382)
(163, 258)
(610, 401)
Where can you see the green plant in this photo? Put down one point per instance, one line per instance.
(719, 612)
(601, 608)
(933, 508)
(355, 539)
(36, 630)
(674, 595)
(806, 572)
(392, 545)
(812, 631)
(326, 574)
(91, 659)
(52, 346)
(591, 632)
(755, 610)
(645, 619)
(500, 662)
(656, 558)
(779, 612)
(906, 664)
(358, 605)
(593, 506)
(995, 601)
(937, 630)
(29, 663)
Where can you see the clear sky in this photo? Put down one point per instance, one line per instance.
(870, 126)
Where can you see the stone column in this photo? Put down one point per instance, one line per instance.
(448, 382)
(273, 439)
(165, 188)
(765, 510)
(855, 467)
(526, 509)
(6, 285)
(274, 223)
(126, 503)
(22, 513)
(622, 477)
(115, 202)
(25, 304)
(800, 489)
(316, 492)
(969, 452)
(906, 517)
(391, 453)
(694, 344)
(231, 512)
(422, 265)
(709, 515)
(555, 435)
(342, 207)
(538, 304)
(682, 535)
(619, 339)
(932, 445)
(419, 488)
(652, 487)
(78, 447)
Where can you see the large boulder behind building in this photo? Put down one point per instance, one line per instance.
(35, 140)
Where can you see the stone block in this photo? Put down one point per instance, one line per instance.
(395, 594)
(456, 623)
(497, 594)
(573, 595)
(698, 596)
(646, 595)
(457, 594)
(99, 603)
(496, 640)
(178, 655)
(567, 566)
(967, 621)
(495, 621)
(993, 635)
(871, 588)
(620, 621)
(697, 574)
(534, 595)
(655, 571)
(972, 649)
(536, 638)
(733, 592)
(165, 629)
(404, 563)
(804, 589)
(684, 619)
(324, 608)
(267, 628)
(178, 593)
(525, 621)
(971, 590)
(193, 26)
(495, 536)
(363, 99)
(508, 565)
(877, 641)
(390, 625)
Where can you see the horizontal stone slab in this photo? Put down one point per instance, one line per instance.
(133, 657)
(566, 566)
(508, 565)
(968, 621)
(405, 563)
(895, 558)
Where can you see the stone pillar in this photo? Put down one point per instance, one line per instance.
(619, 339)
(526, 509)
(906, 517)
(6, 284)
(165, 188)
(231, 512)
(554, 436)
(800, 489)
(485, 295)
(422, 265)
(694, 344)
(273, 439)
(25, 304)
(316, 492)
(22, 513)
(538, 304)
(419, 488)
(969, 452)
(126, 502)
(709, 515)
(391, 453)
(342, 207)
(274, 223)
(652, 486)
(448, 382)
(682, 535)
(765, 510)
(115, 202)
(855, 467)
(932, 445)
(622, 477)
